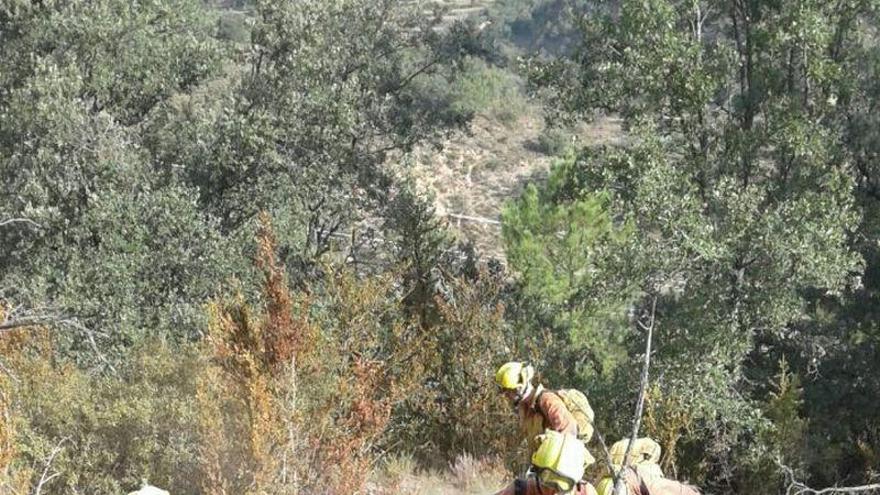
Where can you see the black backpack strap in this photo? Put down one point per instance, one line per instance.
(536, 404)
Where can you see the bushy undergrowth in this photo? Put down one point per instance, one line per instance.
(481, 88)
(297, 392)
(555, 141)
(493, 90)
(74, 432)
(457, 409)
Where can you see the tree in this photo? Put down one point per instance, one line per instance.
(127, 57)
(842, 342)
(739, 188)
(110, 247)
(327, 96)
(563, 242)
(537, 26)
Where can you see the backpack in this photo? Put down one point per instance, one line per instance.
(644, 451)
(644, 457)
(579, 407)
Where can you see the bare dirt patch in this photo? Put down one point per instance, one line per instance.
(476, 174)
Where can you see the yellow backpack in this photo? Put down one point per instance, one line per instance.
(644, 451)
(644, 457)
(579, 407)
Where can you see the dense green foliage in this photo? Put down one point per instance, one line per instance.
(217, 275)
(746, 187)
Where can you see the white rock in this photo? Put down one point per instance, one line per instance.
(150, 490)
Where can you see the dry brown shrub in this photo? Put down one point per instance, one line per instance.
(7, 433)
(276, 415)
(351, 446)
(15, 347)
(242, 393)
(370, 359)
(466, 475)
(470, 474)
(214, 475)
(285, 337)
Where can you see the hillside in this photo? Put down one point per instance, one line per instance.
(476, 173)
(234, 254)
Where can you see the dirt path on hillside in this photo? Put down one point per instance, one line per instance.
(474, 175)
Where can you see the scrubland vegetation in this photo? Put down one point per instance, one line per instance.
(222, 273)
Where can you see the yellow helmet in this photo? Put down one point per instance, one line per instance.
(514, 375)
(560, 460)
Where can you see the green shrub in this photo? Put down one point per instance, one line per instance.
(108, 434)
(489, 90)
(233, 26)
(554, 141)
(456, 408)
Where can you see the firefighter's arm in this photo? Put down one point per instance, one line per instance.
(556, 414)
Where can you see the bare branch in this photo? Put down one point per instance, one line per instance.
(20, 220)
(12, 322)
(9, 373)
(408, 79)
(25, 321)
(841, 489)
(473, 219)
(640, 403)
(796, 487)
(17, 316)
(45, 477)
(90, 335)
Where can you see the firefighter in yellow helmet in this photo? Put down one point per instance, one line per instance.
(537, 409)
(557, 467)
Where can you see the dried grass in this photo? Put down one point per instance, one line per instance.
(400, 475)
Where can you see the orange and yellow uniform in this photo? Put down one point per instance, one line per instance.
(544, 410)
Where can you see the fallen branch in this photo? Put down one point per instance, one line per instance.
(90, 335)
(473, 219)
(24, 321)
(640, 403)
(20, 220)
(17, 316)
(8, 373)
(796, 487)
